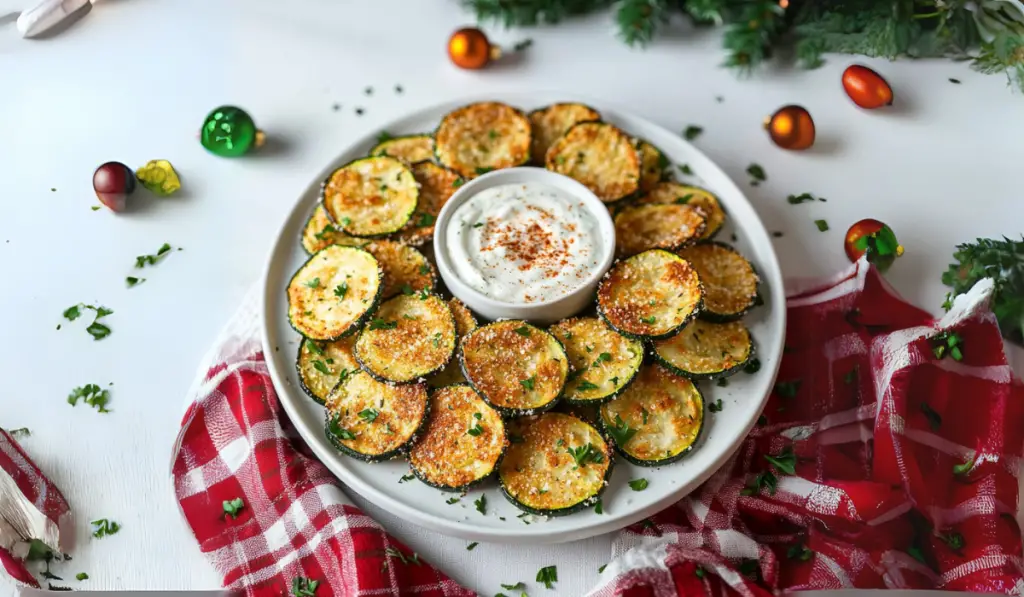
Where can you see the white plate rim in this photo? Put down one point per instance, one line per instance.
(769, 271)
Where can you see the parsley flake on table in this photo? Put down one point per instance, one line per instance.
(143, 260)
(413, 559)
(19, 432)
(947, 343)
(522, 45)
(757, 175)
(81, 576)
(685, 169)
(405, 478)
(822, 225)
(104, 528)
(97, 330)
(519, 586)
(638, 484)
(472, 546)
(784, 461)
(304, 587)
(233, 507)
(598, 507)
(716, 406)
(699, 572)
(132, 281)
(452, 500)
(953, 539)
(92, 395)
(692, 132)
(802, 198)
(481, 504)
(548, 575)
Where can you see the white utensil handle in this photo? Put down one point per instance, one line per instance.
(45, 15)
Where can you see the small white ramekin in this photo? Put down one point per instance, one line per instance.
(543, 312)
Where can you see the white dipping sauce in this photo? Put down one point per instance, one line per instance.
(523, 243)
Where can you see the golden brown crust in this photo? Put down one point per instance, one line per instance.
(405, 269)
(410, 149)
(730, 284)
(705, 348)
(552, 122)
(320, 232)
(316, 309)
(320, 364)
(409, 337)
(481, 137)
(602, 359)
(437, 185)
(652, 165)
(680, 194)
(650, 294)
(391, 413)
(601, 157)
(465, 323)
(639, 228)
(371, 196)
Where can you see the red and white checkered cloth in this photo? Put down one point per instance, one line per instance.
(877, 424)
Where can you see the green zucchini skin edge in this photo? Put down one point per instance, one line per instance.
(382, 379)
(437, 156)
(323, 192)
(587, 503)
(375, 150)
(714, 232)
(371, 307)
(298, 373)
(662, 461)
(697, 310)
(472, 484)
(708, 315)
(751, 350)
(372, 458)
(505, 411)
(615, 394)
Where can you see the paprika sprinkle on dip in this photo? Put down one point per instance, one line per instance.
(524, 243)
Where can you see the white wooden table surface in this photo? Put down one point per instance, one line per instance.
(132, 81)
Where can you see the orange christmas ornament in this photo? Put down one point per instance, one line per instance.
(791, 127)
(866, 88)
(469, 48)
(874, 238)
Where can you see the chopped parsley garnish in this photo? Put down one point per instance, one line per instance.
(523, 330)
(481, 504)
(529, 382)
(97, 330)
(934, 419)
(478, 225)
(92, 395)
(787, 389)
(104, 528)
(407, 290)
(586, 385)
(684, 199)
(752, 366)
(765, 480)
(304, 587)
(947, 343)
(584, 454)
(692, 132)
(757, 175)
(133, 281)
(369, 415)
(716, 406)
(492, 134)
(458, 182)
(328, 229)
(413, 559)
(472, 546)
(379, 324)
(19, 432)
(954, 81)
(321, 367)
(522, 45)
(425, 220)
(452, 500)
(784, 461)
(644, 414)
(638, 484)
(953, 539)
(405, 478)
(424, 294)
(233, 507)
(822, 225)
(436, 340)
(339, 431)
(346, 221)
(964, 468)
(314, 283)
(801, 198)
(649, 320)
(81, 576)
(144, 260)
(475, 430)
(548, 575)
(615, 381)
(424, 269)
(384, 136)
(603, 357)
(621, 432)
(341, 290)
(686, 169)
(799, 552)
(483, 170)
(519, 586)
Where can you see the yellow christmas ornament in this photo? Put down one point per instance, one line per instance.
(159, 177)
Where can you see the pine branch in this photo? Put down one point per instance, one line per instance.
(519, 13)
(638, 19)
(1005, 54)
(758, 25)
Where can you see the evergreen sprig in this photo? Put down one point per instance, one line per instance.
(1001, 260)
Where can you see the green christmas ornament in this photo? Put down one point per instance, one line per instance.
(230, 132)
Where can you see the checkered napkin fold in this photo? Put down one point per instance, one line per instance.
(884, 459)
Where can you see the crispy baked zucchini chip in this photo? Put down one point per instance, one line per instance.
(410, 149)
(320, 365)
(551, 122)
(374, 421)
(603, 360)
(705, 350)
(518, 368)
(650, 295)
(320, 232)
(730, 283)
(601, 157)
(333, 292)
(409, 337)
(371, 196)
(657, 420)
(681, 194)
(639, 228)
(464, 324)
(559, 465)
(478, 138)
(462, 442)
(653, 164)
(437, 185)
(406, 270)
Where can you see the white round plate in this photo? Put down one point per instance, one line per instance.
(742, 399)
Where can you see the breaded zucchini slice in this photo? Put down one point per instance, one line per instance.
(321, 365)
(705, 350)
(653, 165)
(465, 323)
(730, 282)
(551, 122)
(657, 420)
(518, 368)
(639, 228)
(334, 292)
(371, 196)
(437, 185)
(462, 443)
(559, 465)
(406, 270)
(409, 337)
(374, 421)
(481, 137)
(410, 148)
(681, 194)
(603, 360)
(320, 232)
(650, 295)
(601, 157)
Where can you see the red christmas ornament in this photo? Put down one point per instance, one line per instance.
(874, 238)
(866, 88)
(469, 48)
(113, 182)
